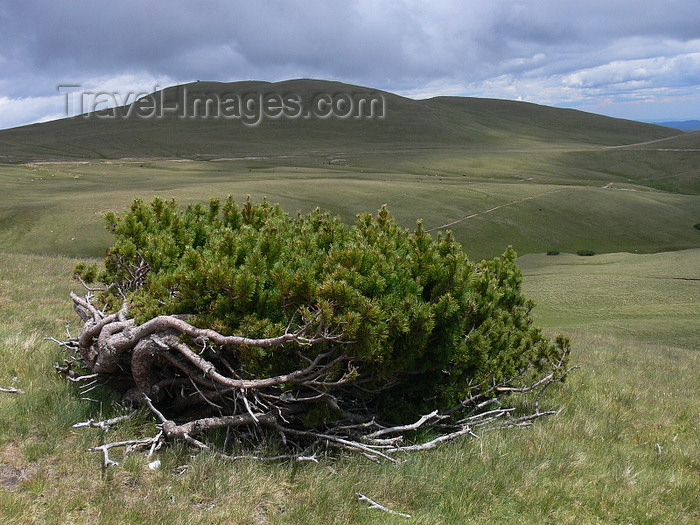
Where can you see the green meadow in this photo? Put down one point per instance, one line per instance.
(55, 208)
(625, 448)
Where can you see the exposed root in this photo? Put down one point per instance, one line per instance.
(188, 378)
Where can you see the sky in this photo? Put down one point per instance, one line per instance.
(636, 59)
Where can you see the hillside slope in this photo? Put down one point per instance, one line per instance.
(443, 122)
(685, 141)
(495, 172)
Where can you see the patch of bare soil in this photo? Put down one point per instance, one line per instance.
(11, 474)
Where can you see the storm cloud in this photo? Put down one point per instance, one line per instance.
(633, 59)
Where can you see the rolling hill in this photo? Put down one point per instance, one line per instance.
(494, 172)
(443, 122)
(686, 141)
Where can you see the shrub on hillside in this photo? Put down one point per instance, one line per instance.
(323, 332)
(585, 253)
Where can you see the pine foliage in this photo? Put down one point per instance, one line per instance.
(419, 322)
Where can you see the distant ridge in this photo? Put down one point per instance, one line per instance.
(436, 123)
(683, 125)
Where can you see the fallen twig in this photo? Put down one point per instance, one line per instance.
(435, 442)
(281, 457)
(130, 445)
(374, 505)
(104, 425)
(11, 390)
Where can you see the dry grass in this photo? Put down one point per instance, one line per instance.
(623, 450)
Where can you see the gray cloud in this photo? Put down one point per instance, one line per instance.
(547, 51)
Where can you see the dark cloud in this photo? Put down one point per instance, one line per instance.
(466, 47)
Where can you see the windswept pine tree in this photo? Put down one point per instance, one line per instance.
(247, 317)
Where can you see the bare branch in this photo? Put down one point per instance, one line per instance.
(89, 288)
(11, 390)
(148, 402)
(400, 429)
(209, 370)
(374, 505)
(184, 374)
(104, 425)
(80, 379)
(280, 457)
(131, 444)
(435, 442)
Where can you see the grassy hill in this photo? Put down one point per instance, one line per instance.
(686, 141)
(443, 122)
(56, 208)
(495, 172)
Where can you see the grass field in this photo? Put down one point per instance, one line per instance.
(55, 208)
(624, 449)
(654, 298)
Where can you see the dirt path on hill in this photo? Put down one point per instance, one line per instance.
(517, 201)
(645, 142)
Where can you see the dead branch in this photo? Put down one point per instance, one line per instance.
(104, 425)
(90, 288)
(130, 445)
(11, 390)
(191, 380)
(374, 505)
(280, 457)
(435, 442)
(403, 428)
